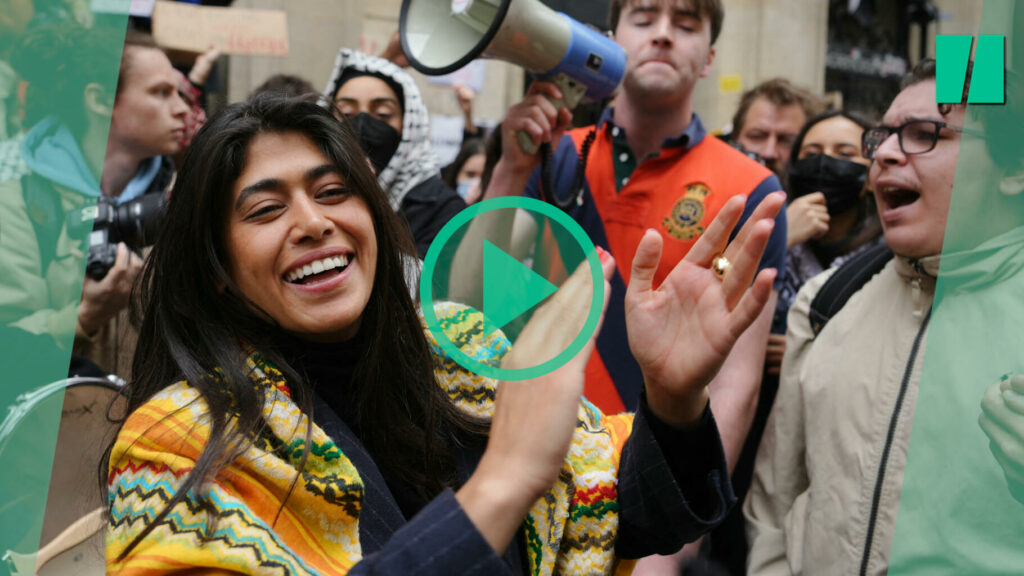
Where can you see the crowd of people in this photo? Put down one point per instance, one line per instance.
(781, 304)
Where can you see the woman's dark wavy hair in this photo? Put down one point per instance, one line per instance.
(193, 315)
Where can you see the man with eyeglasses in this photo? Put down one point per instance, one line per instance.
(837, 460)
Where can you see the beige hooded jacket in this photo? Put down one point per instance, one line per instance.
(827, 479)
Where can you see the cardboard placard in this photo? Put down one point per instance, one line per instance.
(233, 30)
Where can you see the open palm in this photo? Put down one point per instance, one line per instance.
(682, 331)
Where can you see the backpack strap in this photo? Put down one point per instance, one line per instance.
(844, 283)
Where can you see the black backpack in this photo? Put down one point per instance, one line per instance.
(845, 282)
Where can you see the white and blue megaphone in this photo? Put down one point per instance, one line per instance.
(441, 36)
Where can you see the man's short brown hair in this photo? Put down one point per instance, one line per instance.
(134, 40)
(710, 9)
(780, 92)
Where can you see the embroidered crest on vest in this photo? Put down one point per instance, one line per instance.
(684, 222)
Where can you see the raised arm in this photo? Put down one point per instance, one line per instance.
(536, 116)
(684, 473)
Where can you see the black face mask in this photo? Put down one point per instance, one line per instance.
(841, 181)
(377, 138)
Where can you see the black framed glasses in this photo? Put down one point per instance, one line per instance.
(915, 137)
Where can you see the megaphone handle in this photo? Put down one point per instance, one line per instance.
(572, 93)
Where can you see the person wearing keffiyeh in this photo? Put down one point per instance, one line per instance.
(394, 129)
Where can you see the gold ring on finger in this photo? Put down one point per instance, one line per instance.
(720, 265)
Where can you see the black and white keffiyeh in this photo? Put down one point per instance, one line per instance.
(414, 161)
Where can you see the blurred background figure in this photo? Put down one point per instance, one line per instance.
(831, 212)
(288, 85)
(15, 16)
(148, 124)
(465, 96)
(768, 119)
(873, 461)
(191, 88)
(64, 150)
(463, 175)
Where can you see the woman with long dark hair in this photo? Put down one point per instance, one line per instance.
(290, 414)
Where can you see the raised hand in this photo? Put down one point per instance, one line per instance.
(533, 419)
(682, 331)
(393, 51)
(103, 299)
(539, 118)
(806, 217)
(203, 65)
(465, 96)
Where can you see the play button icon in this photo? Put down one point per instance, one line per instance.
(510, 288)
(501, 287)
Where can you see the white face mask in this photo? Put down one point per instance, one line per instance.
(463, 187)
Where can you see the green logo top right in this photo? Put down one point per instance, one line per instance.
(988, 77)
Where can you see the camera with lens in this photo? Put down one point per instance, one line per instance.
(135, 223)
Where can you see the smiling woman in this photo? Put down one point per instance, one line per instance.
(230, 263)
(303, 244)
(290, 413)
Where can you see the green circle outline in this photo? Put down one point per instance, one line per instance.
(427, 298)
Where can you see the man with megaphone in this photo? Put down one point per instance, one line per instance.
(648, 163)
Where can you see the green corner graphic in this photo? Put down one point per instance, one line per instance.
(960, 507)
(42, 278)
(510, 288)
